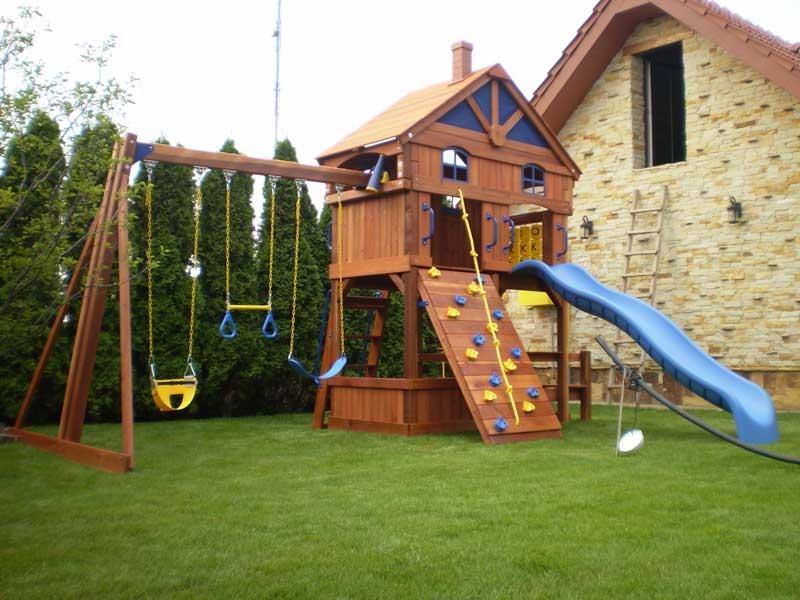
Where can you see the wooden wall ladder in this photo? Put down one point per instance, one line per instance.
(376, 307)
(640, 270)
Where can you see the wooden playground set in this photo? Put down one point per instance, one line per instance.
(422, 199)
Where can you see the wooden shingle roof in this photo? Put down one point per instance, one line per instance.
(611, 23)
(404, 114)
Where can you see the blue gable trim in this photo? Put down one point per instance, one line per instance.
(484, 99)
(525, 131)
(506, 104)
(462, 116)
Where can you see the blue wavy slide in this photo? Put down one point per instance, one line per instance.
(682, 359)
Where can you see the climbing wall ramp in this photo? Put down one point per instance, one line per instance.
(474, 375)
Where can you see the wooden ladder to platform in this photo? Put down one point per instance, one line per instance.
(456, 336)
(640, 265)
(376, 307)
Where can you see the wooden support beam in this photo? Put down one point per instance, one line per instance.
(411, 321)
(562, 370)
(124, 298)
(99, 458)
(255, 166)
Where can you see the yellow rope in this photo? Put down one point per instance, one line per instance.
(295, 269)
(271, 238)
(339, 260)
(148, 203)
(198, 204)
(491, 325)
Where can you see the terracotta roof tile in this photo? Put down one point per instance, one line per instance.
(403, 114)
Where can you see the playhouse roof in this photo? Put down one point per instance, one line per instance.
(611, 23)
(404, 114)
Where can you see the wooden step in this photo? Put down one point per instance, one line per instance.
(643, 231)
(637, 211)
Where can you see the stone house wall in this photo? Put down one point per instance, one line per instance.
(734, 288)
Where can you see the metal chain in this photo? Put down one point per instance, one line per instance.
(195, 261)
(339, 260)
(148, 203)
(228, 176)
(296, 268)
(272, 186)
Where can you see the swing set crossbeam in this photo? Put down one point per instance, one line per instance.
(247, 164)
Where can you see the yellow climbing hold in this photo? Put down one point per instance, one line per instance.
(489, 396)
(452, 313)
(491, 327)
(509, 365)
(471, 353)
(434, 272)
(473, 288)
(528, 407)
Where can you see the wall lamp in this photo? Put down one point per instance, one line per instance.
(587, 228)
(734, 210)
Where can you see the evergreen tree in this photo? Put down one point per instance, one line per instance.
(29, 275)
(283, 389)
(225, 387)
(172, 237)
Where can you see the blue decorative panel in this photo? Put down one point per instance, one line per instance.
(525, 131)
(484, 99)
(507, 105)
(462, 116)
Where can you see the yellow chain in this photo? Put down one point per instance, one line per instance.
(491, 325)
(198, 204)
(148, 203)
(271, 239)
(296, 267)
(228, 175)
(339, 260)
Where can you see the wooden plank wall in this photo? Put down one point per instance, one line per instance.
(373, 228)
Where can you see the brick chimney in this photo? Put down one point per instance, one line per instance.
(462, 60)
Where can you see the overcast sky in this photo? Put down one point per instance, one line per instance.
(206, 70)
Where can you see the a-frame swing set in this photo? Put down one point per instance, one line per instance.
(91, 277)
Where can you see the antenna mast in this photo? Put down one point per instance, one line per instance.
(277, 36)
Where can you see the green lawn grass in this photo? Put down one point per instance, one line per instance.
(267, 508)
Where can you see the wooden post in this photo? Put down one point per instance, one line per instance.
(411, 324)
(87, 318)
(586, 380)
(562, 373)
(125, 338)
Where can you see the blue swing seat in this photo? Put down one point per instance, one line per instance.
(336, 368)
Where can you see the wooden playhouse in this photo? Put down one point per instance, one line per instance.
(476, 133)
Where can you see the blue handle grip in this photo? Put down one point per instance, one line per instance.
(227, 328)
(431, 222)
(490, 217)
(561, 228)
(510, 221)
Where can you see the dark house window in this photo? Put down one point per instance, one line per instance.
(665, 108)
(533, 180)
(455, 164)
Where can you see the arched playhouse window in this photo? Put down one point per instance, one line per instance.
(533, 180)
(455, 164)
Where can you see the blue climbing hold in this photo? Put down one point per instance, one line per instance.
(497, 314)
(422, 303)
(478, 339)
(533, 392)
(516, 352)
(500, 424)
(460, 300)
(494, 380)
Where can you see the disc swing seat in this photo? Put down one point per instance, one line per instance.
(227, 327)
(340, 363)
(182, 390)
